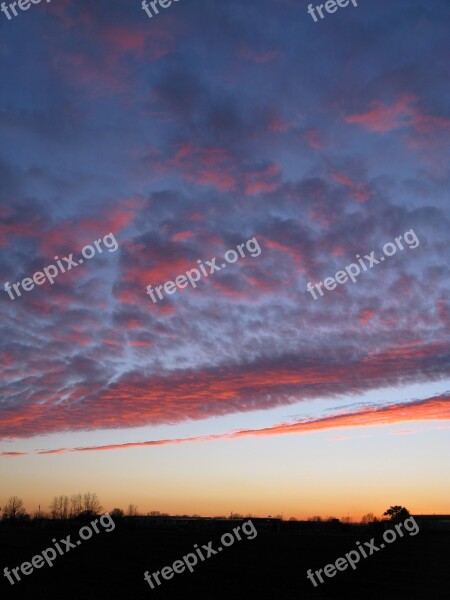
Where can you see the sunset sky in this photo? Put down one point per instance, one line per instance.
(184, 136)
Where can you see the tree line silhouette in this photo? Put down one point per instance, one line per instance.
(88, 504)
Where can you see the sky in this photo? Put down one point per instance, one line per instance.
(210, 126)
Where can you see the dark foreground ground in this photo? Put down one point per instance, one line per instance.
(273, 565)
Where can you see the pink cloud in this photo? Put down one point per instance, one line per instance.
(358, 190)
(430, 409)
(383, 118)
(366, 315)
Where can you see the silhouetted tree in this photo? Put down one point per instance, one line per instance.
(396, 513)
(132, 510)
(14, 508)
(117, 513)
(76, 505)
(91, 503)
(59, 508)
(369, 518)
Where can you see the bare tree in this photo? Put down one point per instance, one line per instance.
(347, 520)
(14, 508)
(91, 503)
(132, 510)
(76, 505)
(368, 518)
(59, 507)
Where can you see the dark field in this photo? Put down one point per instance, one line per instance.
(273, 565)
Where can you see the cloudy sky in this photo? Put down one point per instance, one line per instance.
(184, 136)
